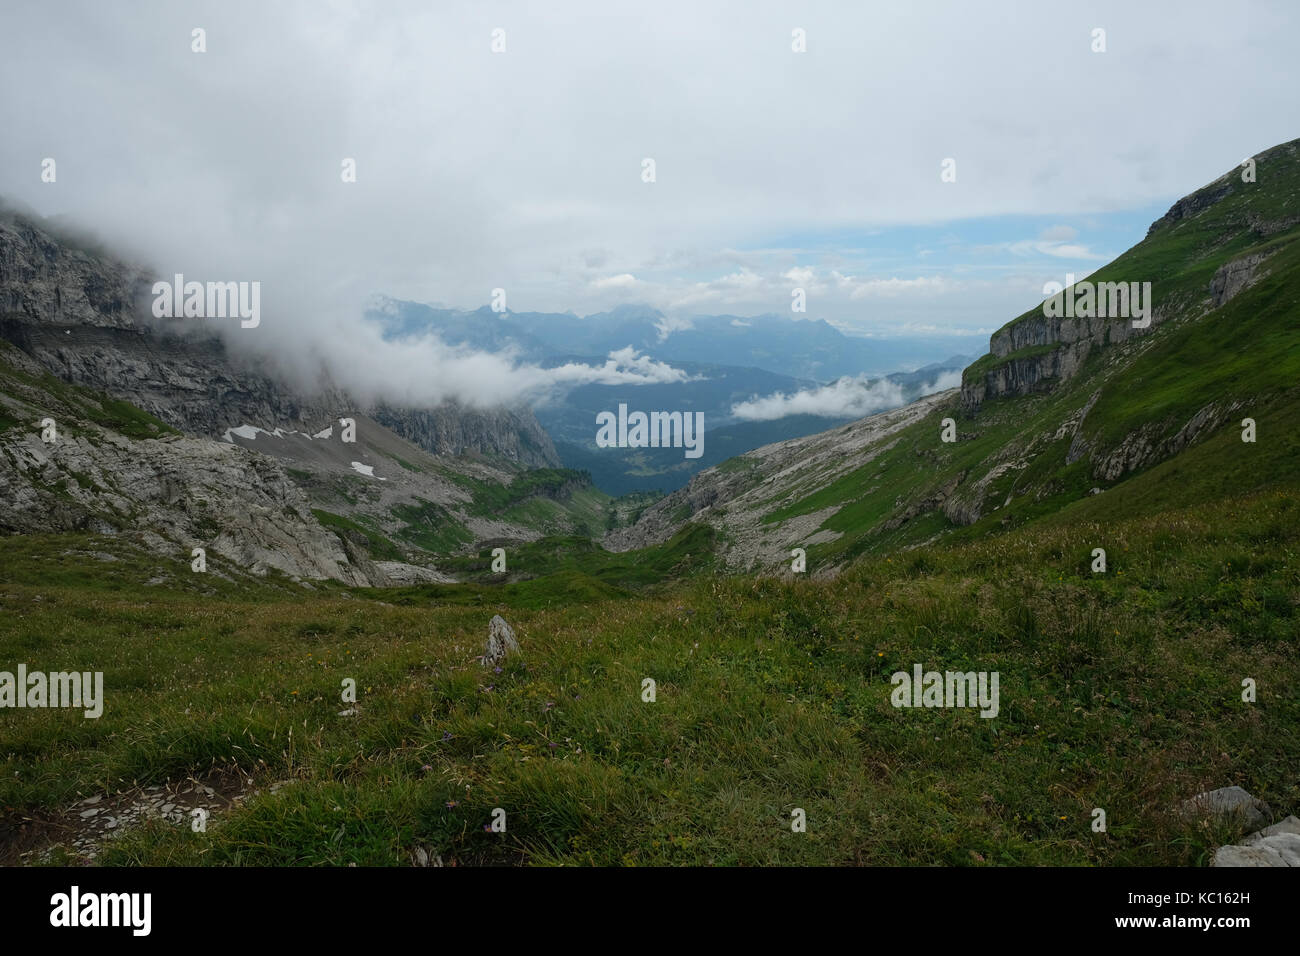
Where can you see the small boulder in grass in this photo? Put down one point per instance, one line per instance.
(501, 641)
(1229, 804)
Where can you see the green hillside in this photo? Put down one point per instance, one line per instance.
(1152, 418)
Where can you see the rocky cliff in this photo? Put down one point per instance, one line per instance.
(165, 435)
(84, 316)
(71, 461)
(1036, 352)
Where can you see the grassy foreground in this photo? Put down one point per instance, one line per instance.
(1119, 691)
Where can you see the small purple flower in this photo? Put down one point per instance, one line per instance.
(550, 704)
(496, 670)
(426, 768)
(446, 735)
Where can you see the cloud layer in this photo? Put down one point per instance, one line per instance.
(845, 398)
(522, 169)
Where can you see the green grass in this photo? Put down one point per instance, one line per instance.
(1119, 691)
(126, 419)
(380, 547)
(490, 499)
(689, 552)
(431, 527)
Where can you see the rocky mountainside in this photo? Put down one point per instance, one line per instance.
(737, 496)
(71, 461)
(169, 437)
(84, 315)
(1078, 415)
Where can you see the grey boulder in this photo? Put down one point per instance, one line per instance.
(501, 641)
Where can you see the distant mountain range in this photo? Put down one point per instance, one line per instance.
(802, 349)
(728, 361)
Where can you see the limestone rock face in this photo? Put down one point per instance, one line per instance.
(452, 429)
(85, 316)
(1062, 347)
(1233, 277)
(400, 574)
(179, 493)
(501, 641)
(64, 280)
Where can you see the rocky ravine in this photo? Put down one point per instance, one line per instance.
(734, 498)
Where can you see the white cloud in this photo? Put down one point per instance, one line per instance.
(669, 324)
(477, 171)
(425, 371)
(845, 398)
(1054, 248)
(893, 287)
(945, 381)
(624, 281)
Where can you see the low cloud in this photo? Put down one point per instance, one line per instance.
(667, 325)
(624, 281)
(945, 381)
(845, 398)
(425, 371)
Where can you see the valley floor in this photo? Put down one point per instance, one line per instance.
(1119, 690)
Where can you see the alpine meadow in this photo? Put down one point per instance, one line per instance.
(758, 536)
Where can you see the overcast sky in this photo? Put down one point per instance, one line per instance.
(523, 169)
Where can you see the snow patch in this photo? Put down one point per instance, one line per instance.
(367, 470)
(244, 431)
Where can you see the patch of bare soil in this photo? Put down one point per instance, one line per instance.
(84, 827)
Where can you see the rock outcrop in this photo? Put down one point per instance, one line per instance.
(85, 317)
(1278, 845)
(1232, 277)
(452, 429)
(179, 493)
(1229, 804)
(500, 643)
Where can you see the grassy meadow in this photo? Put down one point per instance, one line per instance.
(1120, 691)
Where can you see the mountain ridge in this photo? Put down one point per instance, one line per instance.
(1058, 411)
